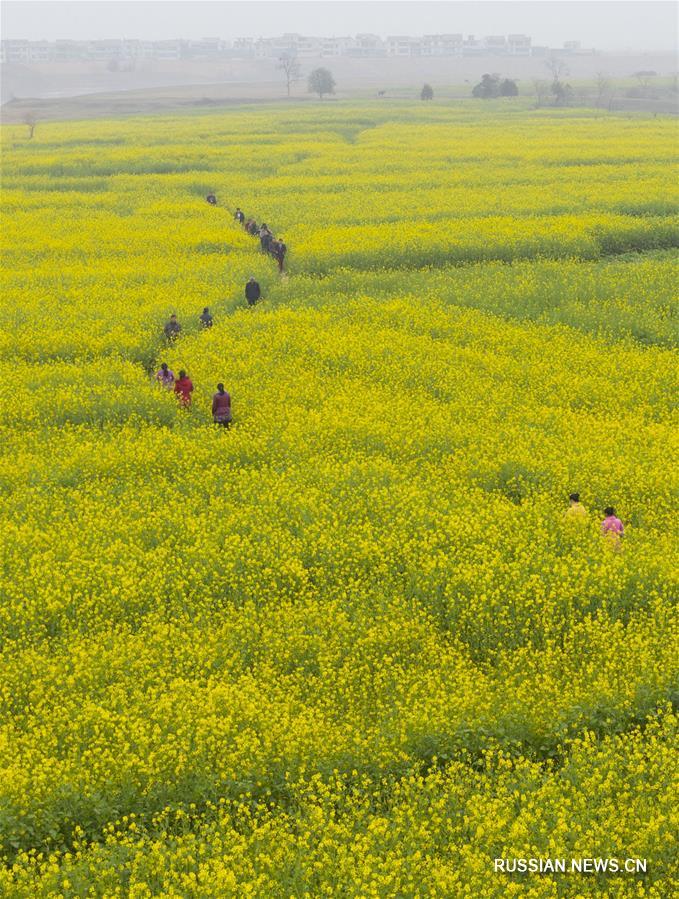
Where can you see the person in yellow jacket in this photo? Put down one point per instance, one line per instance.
(575, 511)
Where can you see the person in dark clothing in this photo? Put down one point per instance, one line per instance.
(265, 238)
(252, 292)
(221, 407)
(212, 199)
(205, 319)
(252, 228)
(172, 329)
(280, 252)
(238, 215)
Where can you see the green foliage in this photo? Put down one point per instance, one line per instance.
(321, 82)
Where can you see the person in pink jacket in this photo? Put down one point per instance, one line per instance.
(221, 407)
(612, 527)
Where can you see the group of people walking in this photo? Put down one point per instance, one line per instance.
(173, 329)
(183, 388)
(183, 385)
(611, 527)
(275, 246)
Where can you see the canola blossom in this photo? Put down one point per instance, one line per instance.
(353, 645)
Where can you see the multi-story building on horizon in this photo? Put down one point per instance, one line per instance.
(115, 50)
(367, 45)
(519, 45)
(442, 44)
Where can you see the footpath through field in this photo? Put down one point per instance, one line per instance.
(352, 644)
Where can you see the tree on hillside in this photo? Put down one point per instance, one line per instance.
(291, 70)
(488, 87)
(562, 93)
(427, 92)
(321, 82)
(509, 88)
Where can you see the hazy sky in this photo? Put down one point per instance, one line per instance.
(604, 24)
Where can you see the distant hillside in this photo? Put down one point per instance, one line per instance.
(69, 79)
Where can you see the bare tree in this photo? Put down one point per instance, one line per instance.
(557, 67)
(31, 121)
(603, 85)
(291, 70)
(563, 93)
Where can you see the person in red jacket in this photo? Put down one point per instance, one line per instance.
(221, 407)
(183, 387)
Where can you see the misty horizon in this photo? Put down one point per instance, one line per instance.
(604, 26)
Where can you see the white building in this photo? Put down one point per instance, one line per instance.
(104, 51)
(519, 45)
(41, 51)
(65, 49)
(297, 45)
(336, 46)
(442, 44)
(472, 46)
(167, 49)
(399, 45)
(496, 43)
(205, 48)
(15, 51)
(134, 49)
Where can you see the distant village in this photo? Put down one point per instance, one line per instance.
(125, 51)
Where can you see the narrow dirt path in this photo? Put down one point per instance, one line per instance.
(154, 366)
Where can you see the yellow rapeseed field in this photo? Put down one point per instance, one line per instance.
(351, 646)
